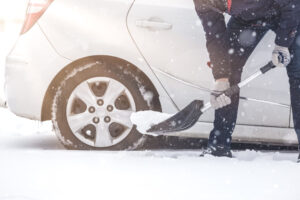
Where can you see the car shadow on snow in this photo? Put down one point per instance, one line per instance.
(174, 147)
(159, 147)
(162, 142)
(48, 141)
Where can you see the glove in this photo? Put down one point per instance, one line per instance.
(223, 100)
(281, 56)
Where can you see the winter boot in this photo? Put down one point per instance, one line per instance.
(217, 151)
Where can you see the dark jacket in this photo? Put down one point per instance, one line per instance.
(286, 13)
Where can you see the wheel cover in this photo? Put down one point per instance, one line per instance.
(98, 112)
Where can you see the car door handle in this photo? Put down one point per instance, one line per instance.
(149, 24)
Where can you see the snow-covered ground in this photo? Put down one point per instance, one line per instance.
(34, 166)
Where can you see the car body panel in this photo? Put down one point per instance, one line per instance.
(28, 76)
(246, 134)
(78, 30)
(53, 59)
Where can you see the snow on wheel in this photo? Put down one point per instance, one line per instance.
(93, 105)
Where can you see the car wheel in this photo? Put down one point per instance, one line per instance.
(93, 104)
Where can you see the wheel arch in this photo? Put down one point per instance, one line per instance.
(51, 90)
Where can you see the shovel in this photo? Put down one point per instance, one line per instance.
(188, 116)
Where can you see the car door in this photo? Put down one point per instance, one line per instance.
(170, 36)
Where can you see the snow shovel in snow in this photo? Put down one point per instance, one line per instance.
(188, 116)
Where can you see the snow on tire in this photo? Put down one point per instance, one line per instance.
(93, 104)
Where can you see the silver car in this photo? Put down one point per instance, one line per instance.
(88, 65)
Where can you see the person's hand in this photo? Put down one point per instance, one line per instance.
(281, 56)
(220, 101)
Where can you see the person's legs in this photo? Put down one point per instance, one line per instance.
(239, 52)
(293, 70)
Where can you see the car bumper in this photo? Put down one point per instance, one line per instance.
(30, 67)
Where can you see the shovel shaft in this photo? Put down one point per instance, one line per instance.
(236, 88)
(206, 107)
(261, 71)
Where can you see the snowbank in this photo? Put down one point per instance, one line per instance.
(34, 166)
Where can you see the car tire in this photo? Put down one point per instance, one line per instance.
(86, 112)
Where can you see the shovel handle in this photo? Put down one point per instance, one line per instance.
(232, 91)
(267, 67)
(236, 88)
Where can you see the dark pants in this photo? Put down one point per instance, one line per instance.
(244, 37)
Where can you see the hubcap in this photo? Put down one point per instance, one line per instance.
(98, 112)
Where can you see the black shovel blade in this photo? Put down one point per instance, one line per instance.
(182, 120)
